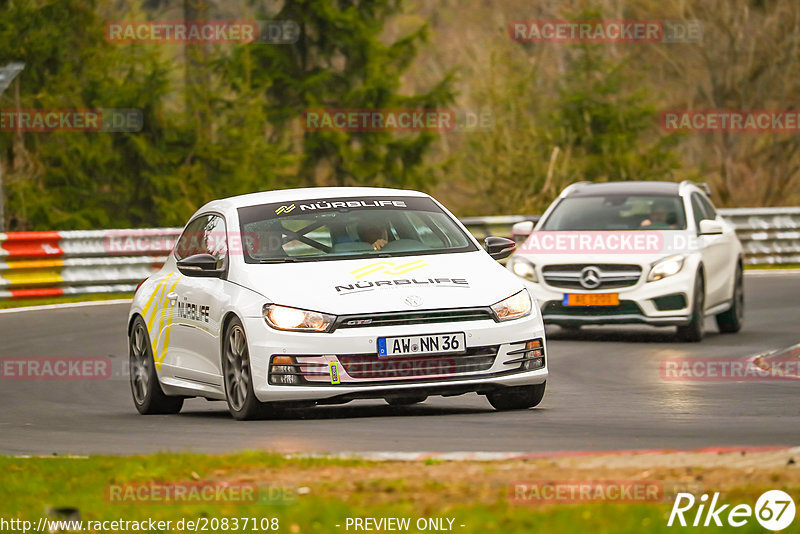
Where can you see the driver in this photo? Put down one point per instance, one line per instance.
(661, 215)
(373, 233)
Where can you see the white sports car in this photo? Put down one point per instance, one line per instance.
(326, 295)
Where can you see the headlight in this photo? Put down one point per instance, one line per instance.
(294, 319)
(514, 307)
(666, 267)
(523, 268)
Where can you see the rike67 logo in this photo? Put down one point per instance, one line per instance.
(774, 510)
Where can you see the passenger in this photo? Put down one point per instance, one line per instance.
(270, 244)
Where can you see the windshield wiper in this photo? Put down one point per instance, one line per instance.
(288, 259)
(278, 260)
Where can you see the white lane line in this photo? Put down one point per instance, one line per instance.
(66, 305)
(765, 273)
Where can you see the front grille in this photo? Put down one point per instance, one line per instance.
(555, 307)
(413, 317)
(611, 275)
(370, 366)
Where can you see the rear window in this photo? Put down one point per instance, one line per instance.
(323, 229)
(618, 212)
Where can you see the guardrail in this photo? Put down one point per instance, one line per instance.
(51, 264)
(770, 236)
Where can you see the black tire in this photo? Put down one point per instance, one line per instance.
(731, 321)
(148, 397)
(695, 330)
(237, 374)
(405, 401)
(517, 397)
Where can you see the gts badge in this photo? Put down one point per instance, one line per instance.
(193, 312)
(358, 322)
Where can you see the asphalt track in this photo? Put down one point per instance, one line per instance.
(605, 392)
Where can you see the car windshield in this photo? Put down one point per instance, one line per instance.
(617, 212)
(323, 229)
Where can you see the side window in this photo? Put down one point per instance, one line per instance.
(204, 235)
(708, 207)
(700, 213)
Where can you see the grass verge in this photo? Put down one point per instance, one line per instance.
(317, 494)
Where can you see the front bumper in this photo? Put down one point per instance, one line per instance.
(642, 303)
(343, 347)
(628, 312)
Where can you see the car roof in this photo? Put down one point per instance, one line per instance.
(587, 189)
(305, 193)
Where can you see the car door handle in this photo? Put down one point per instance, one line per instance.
(172, 296)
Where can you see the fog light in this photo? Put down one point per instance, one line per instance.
(535, 363)
(283, 371)
(536, 352)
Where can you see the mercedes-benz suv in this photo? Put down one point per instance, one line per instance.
(653, 253)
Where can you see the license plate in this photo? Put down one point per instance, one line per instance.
(417, 345)
(591, 299)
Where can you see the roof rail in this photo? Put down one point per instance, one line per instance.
(701, 185)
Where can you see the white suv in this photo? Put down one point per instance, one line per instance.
(653, 253)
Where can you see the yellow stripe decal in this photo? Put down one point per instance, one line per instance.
(150, 300)
(406, 267)
(371, 268)
(160, 292)
(164, 348)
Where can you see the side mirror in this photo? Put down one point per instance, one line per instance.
(710, 227)
(200, 265)
(499, 247)
(521, 230)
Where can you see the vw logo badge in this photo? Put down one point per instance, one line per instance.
(590, 277)
(413, 300)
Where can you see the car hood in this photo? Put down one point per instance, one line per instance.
(377, 285)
